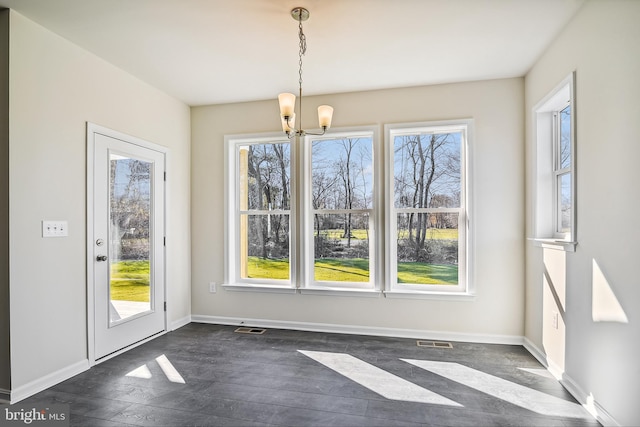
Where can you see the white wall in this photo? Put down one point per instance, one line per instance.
(55, 88)
(496, 107)
(600, 354)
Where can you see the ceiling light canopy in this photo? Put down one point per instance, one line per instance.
(287, 101)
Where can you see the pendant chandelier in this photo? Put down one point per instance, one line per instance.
(287, 101)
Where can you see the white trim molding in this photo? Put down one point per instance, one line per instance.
(92, 130)
(546, 231)
(587, 400)
(360, 330)
(49, 380)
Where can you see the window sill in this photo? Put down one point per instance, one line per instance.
(560, 245)
(369, 293)
(447, 296)
(246, 287)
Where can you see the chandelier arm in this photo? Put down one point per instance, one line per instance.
(292, 131)
(324, 130)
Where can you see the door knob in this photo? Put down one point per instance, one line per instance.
(101, 258)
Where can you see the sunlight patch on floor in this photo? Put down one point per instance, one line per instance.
(167, 367)
(508, 391)
(376, 379)
(140, 372)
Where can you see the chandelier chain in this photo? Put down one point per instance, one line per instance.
(303, 50)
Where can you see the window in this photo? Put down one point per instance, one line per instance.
(318, 235)
(259, 213)
(427, 207)
(305, 215)
(555, 201)
(340, 212)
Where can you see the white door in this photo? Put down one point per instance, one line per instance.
(126, 244)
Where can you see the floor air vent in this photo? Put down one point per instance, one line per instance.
(434, 344)
(252, 331)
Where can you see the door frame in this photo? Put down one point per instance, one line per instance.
(92, 130)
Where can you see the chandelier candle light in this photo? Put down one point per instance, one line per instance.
(287, 101)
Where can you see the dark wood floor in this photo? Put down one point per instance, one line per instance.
(216, 376)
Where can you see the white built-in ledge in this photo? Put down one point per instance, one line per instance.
(561, 245)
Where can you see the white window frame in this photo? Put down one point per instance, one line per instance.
(375, 252)
(232, 276)
(547, 213)
(465, 285)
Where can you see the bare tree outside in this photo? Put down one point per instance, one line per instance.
(427, 185)
(564, 167)
(342, 176)
(267, 207)
(129, 239)
(130, 197)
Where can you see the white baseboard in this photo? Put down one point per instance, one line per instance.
(552, 367)
(36, 386)
(586, 400)
(589, 402)
(177, 324)
(360, 330)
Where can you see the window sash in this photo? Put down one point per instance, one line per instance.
(238, 212)
(559, 172)
(309, 267)
(392, 131)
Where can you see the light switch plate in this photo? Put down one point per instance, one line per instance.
(55, 229)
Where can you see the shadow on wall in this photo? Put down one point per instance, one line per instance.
(605, 305)
(553, 309)
(605, 308)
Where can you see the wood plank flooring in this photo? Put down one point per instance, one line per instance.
(208, 375)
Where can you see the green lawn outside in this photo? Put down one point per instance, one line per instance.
(342, 270)
(260, 268)
(421, 273)
(356, 270)
(336, 234)
(130, 281)
(361, 234)
(435, 233)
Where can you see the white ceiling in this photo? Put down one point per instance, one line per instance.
(220, 51)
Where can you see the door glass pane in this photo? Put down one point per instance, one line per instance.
(129, 237)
